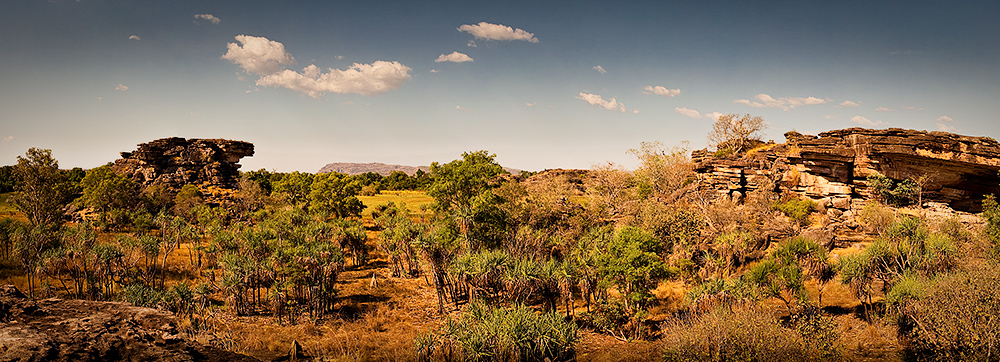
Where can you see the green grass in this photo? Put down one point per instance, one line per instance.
(413, 200)
(6, 209)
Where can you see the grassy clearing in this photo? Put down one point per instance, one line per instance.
(8, 210)
(414, 200)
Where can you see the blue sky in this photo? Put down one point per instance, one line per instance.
(541, 84)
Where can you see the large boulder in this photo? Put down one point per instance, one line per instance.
(175, 162)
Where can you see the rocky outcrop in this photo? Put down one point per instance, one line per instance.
(833, 167)
(175, 162)
(80, 331)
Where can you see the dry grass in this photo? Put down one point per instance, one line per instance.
(413, 200)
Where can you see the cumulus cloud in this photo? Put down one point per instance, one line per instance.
(258, 54)
(530, 104)
(121, 87)
(946, 124)
(488, 31)
(661, 91)
(471, 44)
(849, 104)
(600, 69)
(453, 57)
(865, 121)
(883, 109)
(714, 115)
(133, 37)
(597, 100)
(364, 79)
(268, 58)
(8, 139)
(688, 112)
(434, 70)
(784, 103)
(209, 17)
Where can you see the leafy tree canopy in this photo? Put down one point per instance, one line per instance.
(456, 182)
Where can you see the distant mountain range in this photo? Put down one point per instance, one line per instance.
(351, 168)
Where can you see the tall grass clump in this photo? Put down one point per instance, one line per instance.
(486, 333)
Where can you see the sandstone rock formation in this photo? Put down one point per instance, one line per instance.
(175, 162)
(80, 331)
(832, 167)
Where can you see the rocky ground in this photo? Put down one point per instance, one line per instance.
(78, 330)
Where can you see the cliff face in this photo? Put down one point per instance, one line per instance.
(176, 161)
(833, 167)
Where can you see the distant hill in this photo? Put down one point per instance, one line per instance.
(351, 168)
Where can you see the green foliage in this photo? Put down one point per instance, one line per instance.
(141, 295)
(264, 178)
(295, 187)
(105, 190)
(991, 213)
(900, 193)
(335, 194)
(7, 179)
(796, 209)
(42, 190)
(457, 182)
(517, 333)
(186, 201)
(630, 262)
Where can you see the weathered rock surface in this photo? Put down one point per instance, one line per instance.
(175, 162)
(832, 168)
(79, 331)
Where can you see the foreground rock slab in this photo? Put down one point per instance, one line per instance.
(79, 331)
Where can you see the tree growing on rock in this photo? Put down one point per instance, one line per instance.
(736, 133)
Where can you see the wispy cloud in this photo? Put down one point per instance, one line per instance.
(489, 31)
(597, 100)
(455, 57)
(946, 124)
(661, 91)
(459, 108)
(434, 70)
(530, 104)
(600, 69)
(121, 87)
(209, 17)
(8, 139)
(784, 103)
(883, 109)
(688, 112)
(849, 104)
(133, 37)
(471, 44)
(865, 121)
(714, 115)
(268, 58)
(910, 108)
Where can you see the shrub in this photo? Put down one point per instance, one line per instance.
(876, 217)
(502, 334)
(796, 209)
(745, 334)
(956, 318)
(900, 193)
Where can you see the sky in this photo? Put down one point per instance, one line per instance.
(553, 84)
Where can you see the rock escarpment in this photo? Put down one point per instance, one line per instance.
(175, 162)
(80, 331)
(833, 167)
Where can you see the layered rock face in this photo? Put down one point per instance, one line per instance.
(176, 161)
(79, 330)
(833, 167)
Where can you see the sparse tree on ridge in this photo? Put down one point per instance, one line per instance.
(735, 132)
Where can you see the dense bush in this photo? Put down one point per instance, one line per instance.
(517, 333)
(796, 209)
(899, 193)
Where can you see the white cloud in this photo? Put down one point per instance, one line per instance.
(364, 79)
(434, 71)
(865, 121)
(688, 112)
(661, 91)
(8, 139)
(883, 109)
(453, 57)
(471, 44)
(459, 108)
(783, 103)
(829, 117)
(258, 55)
(133, 37)
(597, 100)
(635, 111)
(600, 69)
(339, 57)
(121, 87)
(489, 31)
(910, 108)
(530, 104)
(714, 115)
(946, 124)
(211, 18)
(849, 104)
